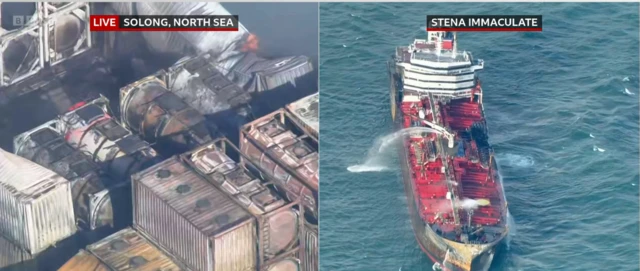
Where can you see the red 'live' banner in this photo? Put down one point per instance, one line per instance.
(164, 23)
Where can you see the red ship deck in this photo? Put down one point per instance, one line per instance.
(444, 183)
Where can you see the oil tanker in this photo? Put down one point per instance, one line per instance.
(455, 195)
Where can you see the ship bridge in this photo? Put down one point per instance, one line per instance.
(435, 66)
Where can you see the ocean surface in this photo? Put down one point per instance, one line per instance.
(562, 110)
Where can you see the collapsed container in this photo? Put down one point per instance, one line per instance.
(91, 129)
(92, 190)
(160, 116)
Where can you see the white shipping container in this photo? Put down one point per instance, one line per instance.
(36, 209)
(13, 257)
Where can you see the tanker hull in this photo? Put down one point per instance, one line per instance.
(456, 201)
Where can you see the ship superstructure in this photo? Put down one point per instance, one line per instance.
(458, 208)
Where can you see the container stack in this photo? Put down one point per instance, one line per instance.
(284, 146)
(279, 226)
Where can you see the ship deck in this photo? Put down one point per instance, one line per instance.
(452, 185)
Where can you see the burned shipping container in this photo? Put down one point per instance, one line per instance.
(256, 74)
(281, 145)
(92, 190)
(305, 113)
(37, 204)
(91, 129)
(30, 61)
(84, 260)
(199, 83)
(279, 224)
(123, 250)
(160, 116)
(192, 219)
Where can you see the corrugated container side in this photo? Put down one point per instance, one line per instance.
(179, 236)
(12, 257)
(36, 216)
(311, 248)
(235, 250)
(186, 215)
(39, 223)
(51, 218)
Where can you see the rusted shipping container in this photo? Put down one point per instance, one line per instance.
(84, 260)
(286, 153)
(160, 116)
(278, 219)
(286, 262)
(92, 199)
(192, 219)
(37, 206)
(130, 250)
(14, 258)
(90, 129)
(305, 113)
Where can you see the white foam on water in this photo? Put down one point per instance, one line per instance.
(626, 79)
(511, 223)
(515, 160)
(378, 156)
(626, 91)
(598, 149)
(366, 168)
(591, 135)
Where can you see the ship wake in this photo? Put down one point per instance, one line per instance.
(377, 159)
